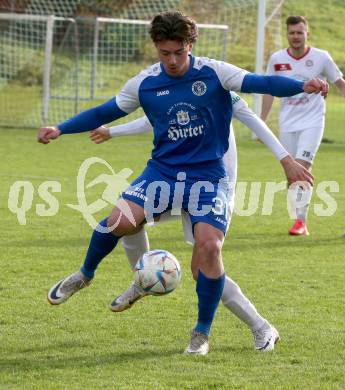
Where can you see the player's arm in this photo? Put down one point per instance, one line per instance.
(281, 86)
(233, 78)
(138, 126)
(267, 102)
(333, 73)
(293, 170)
(244, 114)
(85, 121)
(122, 104)
(340, 84)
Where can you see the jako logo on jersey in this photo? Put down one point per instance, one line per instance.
(175, 133)
(163, 93)
(282, 67)
(235, 99)
(199, 88)
(182, 117)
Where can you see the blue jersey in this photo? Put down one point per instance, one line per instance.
(190, 115)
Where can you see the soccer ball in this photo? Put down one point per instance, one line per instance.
(157, 272)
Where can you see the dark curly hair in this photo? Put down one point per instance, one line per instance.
(173, 26)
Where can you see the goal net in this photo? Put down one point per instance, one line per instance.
(60, 57)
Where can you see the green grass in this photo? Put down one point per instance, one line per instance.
(297, 283)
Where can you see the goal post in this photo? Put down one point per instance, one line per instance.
(55, 66)
(47, 68)
(212, 37)
(37, 62)
(260, 52)
(26, 51)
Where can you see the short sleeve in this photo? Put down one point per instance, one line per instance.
(128, 98)
(230, 76)
(331, 70)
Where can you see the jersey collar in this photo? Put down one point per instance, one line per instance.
(298, 58)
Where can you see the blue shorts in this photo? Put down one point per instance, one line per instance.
(160, 188)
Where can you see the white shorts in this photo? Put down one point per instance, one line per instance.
(303, 144)
(186, 221)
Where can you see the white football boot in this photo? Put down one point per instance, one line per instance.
(265, 338)
(198, 344)
(65, 288)
(127, 298)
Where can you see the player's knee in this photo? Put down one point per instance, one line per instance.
(210, 249)
(115, 225)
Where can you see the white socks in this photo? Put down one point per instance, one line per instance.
(234, 299)
(299, 201)
(135, 245)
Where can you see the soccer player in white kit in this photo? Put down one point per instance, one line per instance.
(302, 117)
(265, 335)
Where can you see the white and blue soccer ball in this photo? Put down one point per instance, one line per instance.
(157, 272)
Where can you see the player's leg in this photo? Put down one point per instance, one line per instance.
(290, 142)
(135, 246)
(265, 335)
(125, 218)
(299, 198)
(232, 297)
(208, 271)
(154, 193)
(307, 145)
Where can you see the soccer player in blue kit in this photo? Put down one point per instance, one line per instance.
(187, 101)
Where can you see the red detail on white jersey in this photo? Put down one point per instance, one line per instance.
(282, 67)
(298, 113)
(298, 58)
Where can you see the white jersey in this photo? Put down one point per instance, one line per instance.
(303, 111)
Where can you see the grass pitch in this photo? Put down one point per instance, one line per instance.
(297, 283)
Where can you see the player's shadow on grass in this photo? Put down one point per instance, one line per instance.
(55, 360)
(70, 360)
(47, 243)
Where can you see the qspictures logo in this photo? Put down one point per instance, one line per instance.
(251, 197)
(21, 194)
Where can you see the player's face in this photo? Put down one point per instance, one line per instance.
(297, 35)
(174, 57)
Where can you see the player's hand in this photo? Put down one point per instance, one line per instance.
(296, 172)
(100, 135)
(316, 86)
(45, 134)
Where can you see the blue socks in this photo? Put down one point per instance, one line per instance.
(101, 244)
(209, 293)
